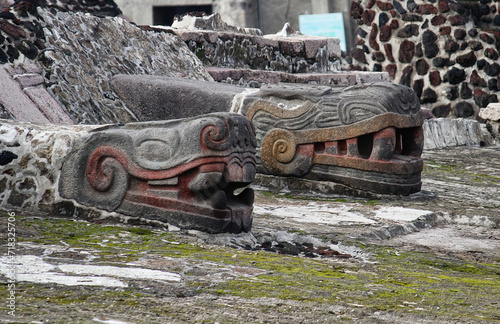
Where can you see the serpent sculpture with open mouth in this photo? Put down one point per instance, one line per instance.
(183, 172)
(368, 137)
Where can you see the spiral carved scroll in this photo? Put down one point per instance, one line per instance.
(216, 136)
(106, 179)
(280, 156)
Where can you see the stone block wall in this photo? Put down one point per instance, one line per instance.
(443, 49)
(231, 47)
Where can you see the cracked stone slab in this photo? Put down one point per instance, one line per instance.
(54, 264)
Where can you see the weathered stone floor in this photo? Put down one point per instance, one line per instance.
(431, 257)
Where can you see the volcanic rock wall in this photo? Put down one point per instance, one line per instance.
(96, 7)
(30, 180)
(437, 47)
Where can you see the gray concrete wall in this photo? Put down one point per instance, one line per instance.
(240, 13)
(141, 11)
(276, 13)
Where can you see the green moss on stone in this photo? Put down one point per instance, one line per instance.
(391, 281)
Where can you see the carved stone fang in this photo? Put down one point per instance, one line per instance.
(134, 170)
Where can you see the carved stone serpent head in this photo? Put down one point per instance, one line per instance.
(367, 137)
(183, 172)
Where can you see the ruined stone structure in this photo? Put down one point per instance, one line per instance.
(100, 8)
(243, 56)
(75, 55)
(444, 50)
(267, 15)
(56, 68)
(217, 44)
(93, 70)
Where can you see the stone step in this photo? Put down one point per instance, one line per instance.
(255, 78)
(26, 100)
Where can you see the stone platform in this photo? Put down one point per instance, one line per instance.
(405, 257)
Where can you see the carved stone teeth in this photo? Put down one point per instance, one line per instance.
(384, 144)
(331, 148)
(413, 141)
(352, 147)
(336, 148)
(218, 200)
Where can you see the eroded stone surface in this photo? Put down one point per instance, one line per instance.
(441, 132)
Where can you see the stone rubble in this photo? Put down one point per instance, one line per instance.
(492, 116)
(212, 22)
(227, 46)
